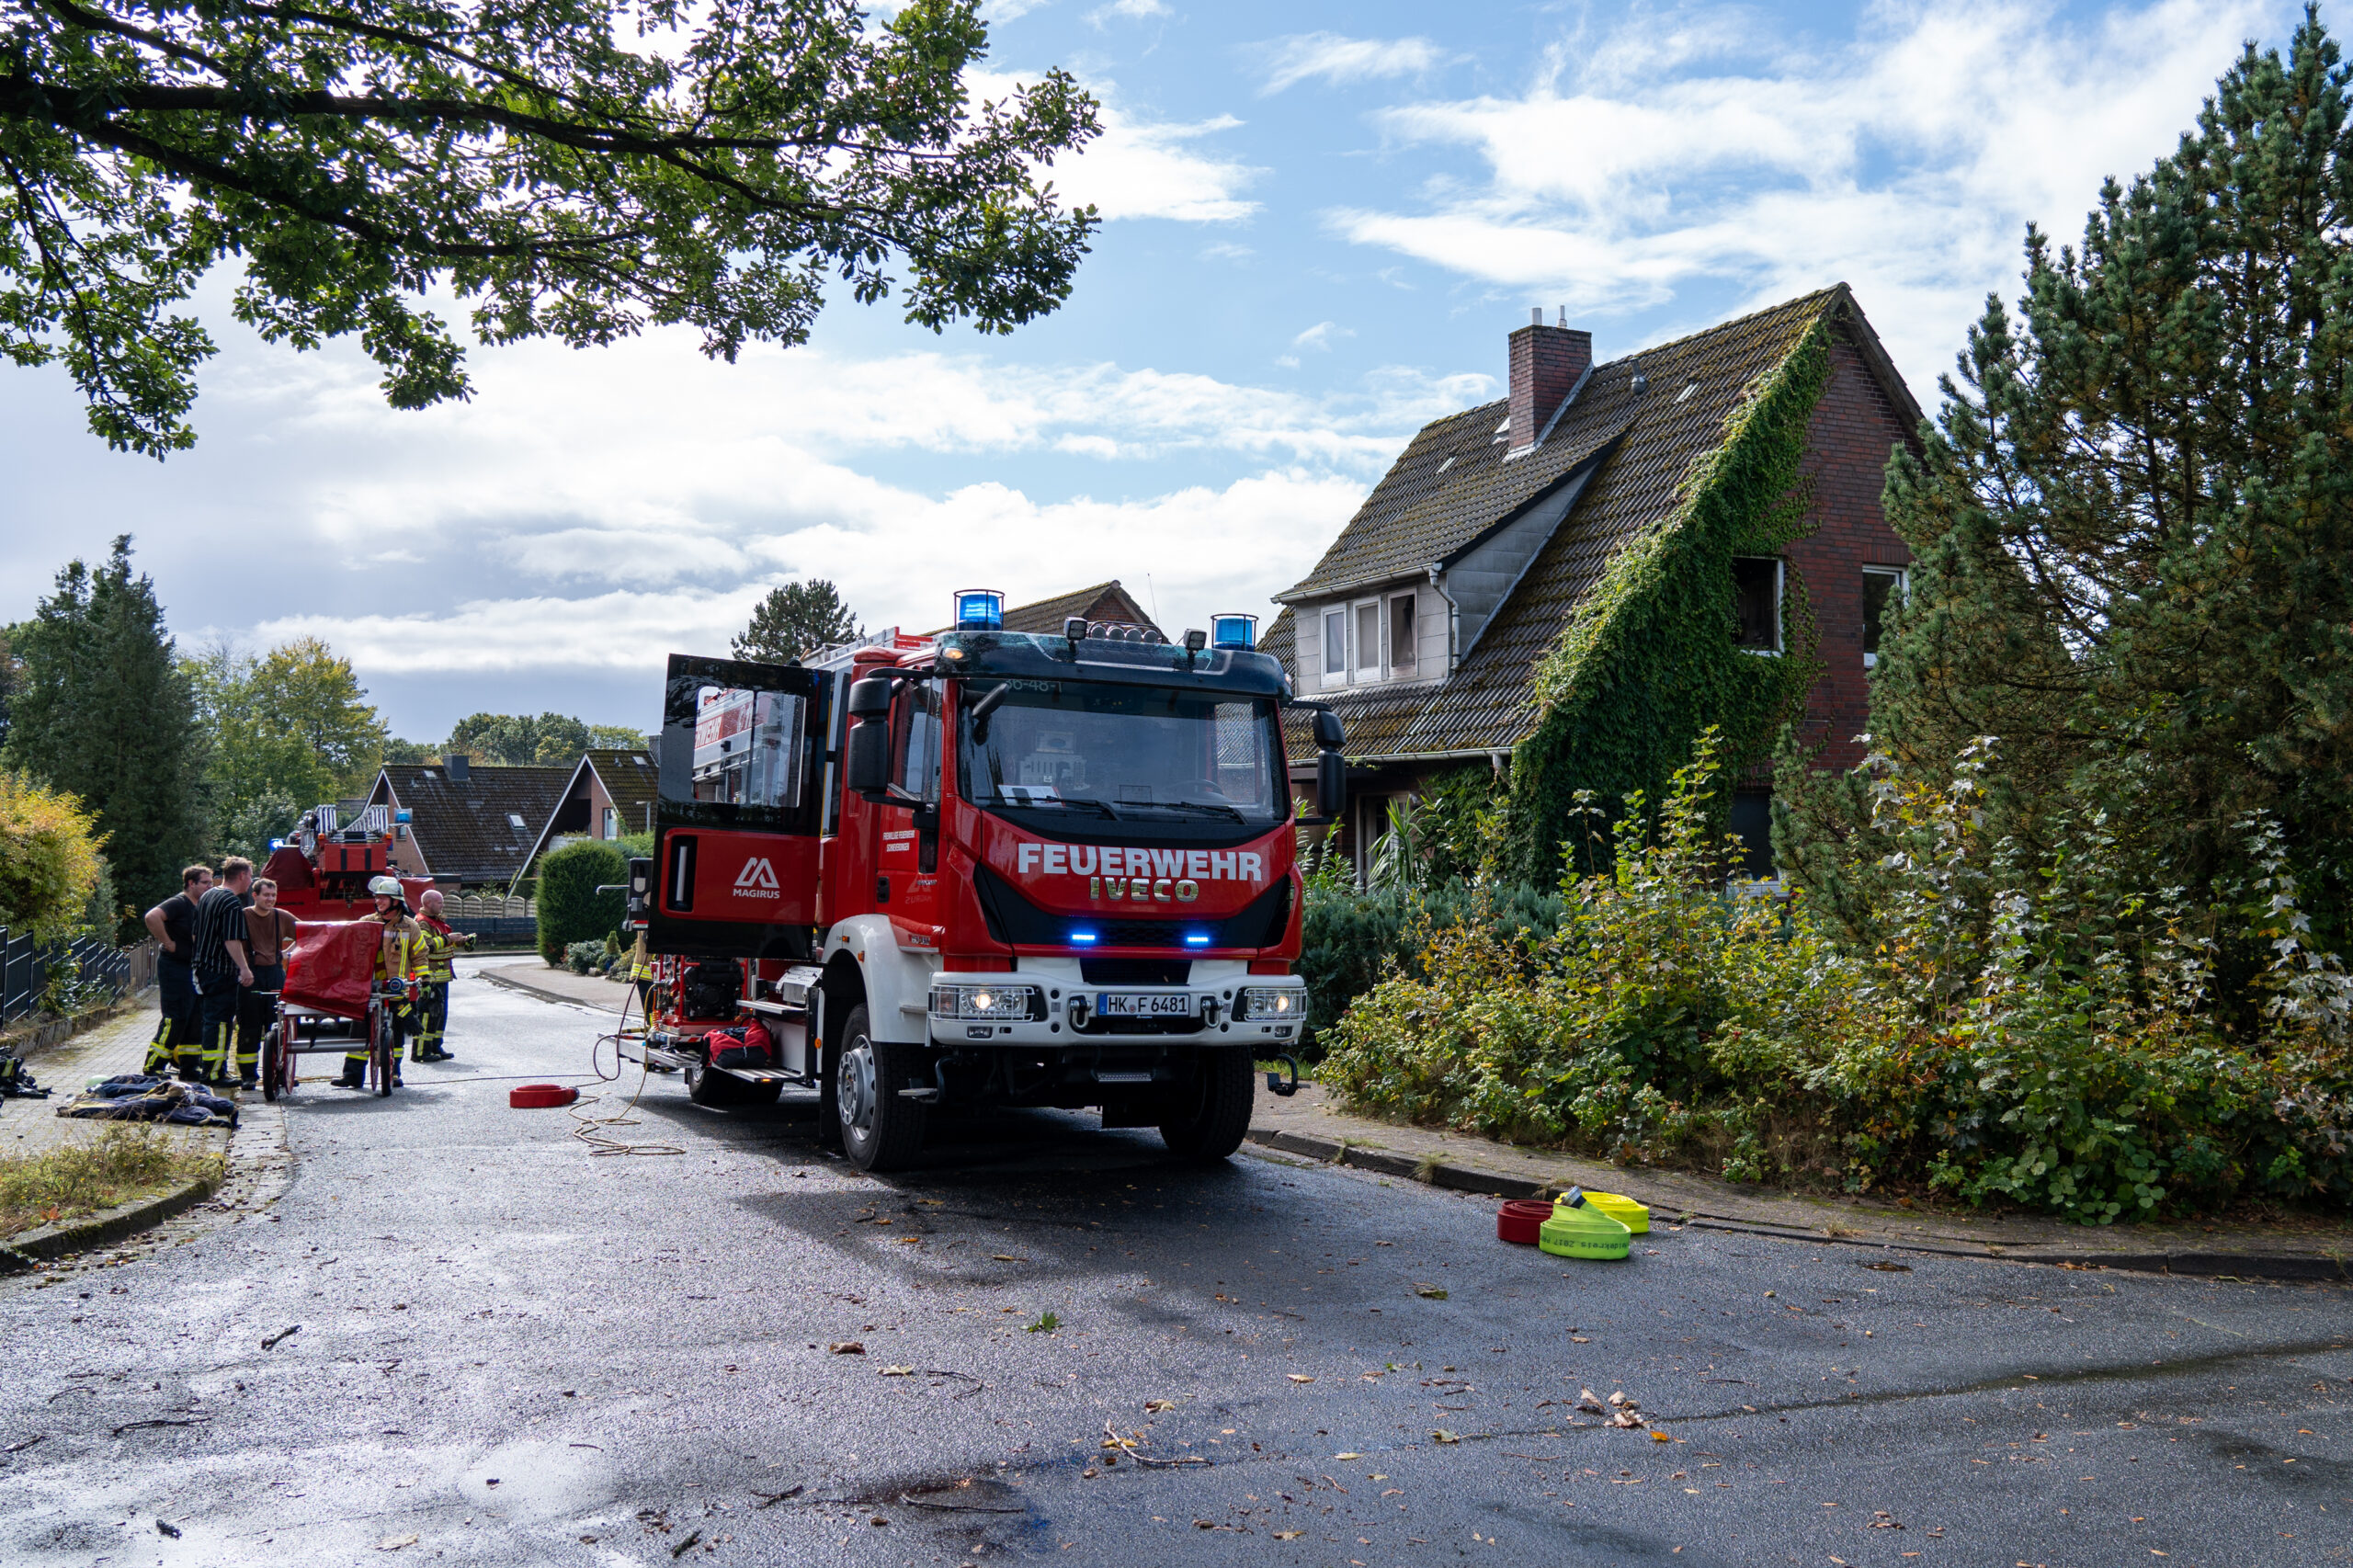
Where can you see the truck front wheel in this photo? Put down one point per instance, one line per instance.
(1208, 1121)
(881, 1131)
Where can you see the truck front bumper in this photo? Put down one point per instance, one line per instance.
(1025, 1010)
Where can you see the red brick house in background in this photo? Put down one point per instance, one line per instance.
(610, 792)
(1423, 622)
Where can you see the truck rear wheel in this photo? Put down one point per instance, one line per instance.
(1208, 1121)
(708, 1086)
(880, 1130)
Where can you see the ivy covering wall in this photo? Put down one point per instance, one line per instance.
(1649, 662)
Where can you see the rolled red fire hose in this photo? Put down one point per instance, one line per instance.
(1520, 1220)
(541, 1096)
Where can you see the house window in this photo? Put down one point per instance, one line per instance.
(1336, 647)
(1401, 636)
(1882, 586)
(613, 822)
(1757, 602)
(1368, 666)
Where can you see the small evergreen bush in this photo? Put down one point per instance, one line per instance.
(571, 910)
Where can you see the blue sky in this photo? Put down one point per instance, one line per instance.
(1321, 221)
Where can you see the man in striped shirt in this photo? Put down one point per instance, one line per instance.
(221, 962)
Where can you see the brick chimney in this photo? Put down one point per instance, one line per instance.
(1545, 363)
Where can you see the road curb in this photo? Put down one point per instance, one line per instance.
(33, 1248)
(1470, 1179)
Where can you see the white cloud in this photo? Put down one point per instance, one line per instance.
(1144, 168)
(1320, 335)
(625, 527)
(1127, 10)
(1908, 163)
(1336, 59)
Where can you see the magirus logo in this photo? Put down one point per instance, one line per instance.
(757, 879)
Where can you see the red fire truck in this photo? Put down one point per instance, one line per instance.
(985, 868)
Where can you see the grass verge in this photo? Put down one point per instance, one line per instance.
(119, 1164)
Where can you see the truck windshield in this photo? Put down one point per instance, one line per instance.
(1120, 752)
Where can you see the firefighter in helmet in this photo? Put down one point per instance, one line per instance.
(400, 959)
(432, 994)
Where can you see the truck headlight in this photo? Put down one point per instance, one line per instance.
(991, 1003)
(1270, 1004)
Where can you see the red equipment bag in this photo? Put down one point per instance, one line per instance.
(750, 1046)
(332, 964)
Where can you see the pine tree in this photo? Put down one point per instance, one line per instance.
(796, 619)
(103, 710)
(2134, 517)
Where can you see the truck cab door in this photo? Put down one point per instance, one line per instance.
(742, 762)
(906, 856)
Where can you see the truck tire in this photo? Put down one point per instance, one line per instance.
(880, 1130)
(1208, 1121)
(708, 1086)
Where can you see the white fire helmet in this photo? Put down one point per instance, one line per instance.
(386, 887)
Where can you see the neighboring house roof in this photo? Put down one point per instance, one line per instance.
(631, 780)
(1453, 487)
(1105, 601)
(474, 830)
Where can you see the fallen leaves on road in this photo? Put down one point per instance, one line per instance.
(1006, 1258)
(1884, 1520)
(1298, 1376)
(898, 1371)
(390, 1543)
(1443, 1435)
(272, 1343)
(1294, 1535)
(848, 1347)
(1156, 1405)
(1430, 1292)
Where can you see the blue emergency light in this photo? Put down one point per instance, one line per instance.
(1233, 631)
(1083, 938)
(1197, 938)
(980, 609)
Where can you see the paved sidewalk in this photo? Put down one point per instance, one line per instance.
(1310, 1123)
(119, 1045)
(534, 976)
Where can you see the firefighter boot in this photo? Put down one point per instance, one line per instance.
(159, 1049)
(355, 1073)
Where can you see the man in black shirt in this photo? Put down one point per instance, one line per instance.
(219, 963)
(177, 1032)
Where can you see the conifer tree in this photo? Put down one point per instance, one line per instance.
(796, 619)
(2133, 518)
(103, 710)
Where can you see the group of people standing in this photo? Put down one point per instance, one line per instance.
(222, 965)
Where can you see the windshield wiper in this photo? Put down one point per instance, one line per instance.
(1096, 806)
(1208, 806)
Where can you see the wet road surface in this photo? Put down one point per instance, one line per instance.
(513, 1349)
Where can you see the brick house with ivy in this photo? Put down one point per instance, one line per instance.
(1565, 586)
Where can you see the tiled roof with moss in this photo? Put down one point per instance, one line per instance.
(1649, 418)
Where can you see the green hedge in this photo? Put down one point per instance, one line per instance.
(571, 910)
(1350, 940)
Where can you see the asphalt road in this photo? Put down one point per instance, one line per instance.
(513, 1349)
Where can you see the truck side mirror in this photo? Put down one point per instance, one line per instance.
(867, 768)
(870, 698)
(1329, 736)
(640, 877)
(1330, 778)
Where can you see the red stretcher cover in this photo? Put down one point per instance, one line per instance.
(332, 965)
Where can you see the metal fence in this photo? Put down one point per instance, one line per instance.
(27, 968)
